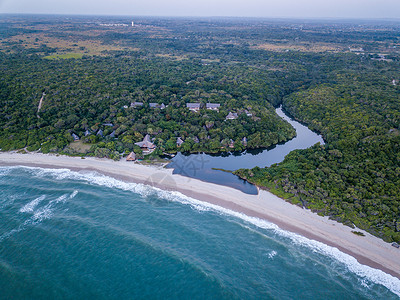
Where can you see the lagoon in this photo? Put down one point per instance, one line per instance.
(203, 166)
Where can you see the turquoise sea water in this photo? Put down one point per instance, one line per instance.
(69, 235)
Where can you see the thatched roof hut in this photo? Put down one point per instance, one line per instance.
(231, 144)
(75, 137)
(131, 157)
(232, 116)
(179, 142)
(156, 105)
(146, 143)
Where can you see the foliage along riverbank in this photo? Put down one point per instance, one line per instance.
(355, 177)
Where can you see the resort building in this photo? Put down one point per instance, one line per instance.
(100, 133)
(231, 144)
(249, 114)
(213, 106)
(75, 137)
(179, 142)
(153, 105)
(193, 106)
(131, 157)
(156, 105)
(136, 104)
(231, 116)
(146, 145)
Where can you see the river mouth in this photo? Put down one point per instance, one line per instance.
(210, 167)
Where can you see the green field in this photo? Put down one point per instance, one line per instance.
(64, 56)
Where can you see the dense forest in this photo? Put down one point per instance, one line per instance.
(92, 94)
(355, 177)
(81, 76)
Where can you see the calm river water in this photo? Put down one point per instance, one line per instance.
(201, 165)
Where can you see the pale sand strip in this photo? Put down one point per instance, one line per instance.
(368, 250)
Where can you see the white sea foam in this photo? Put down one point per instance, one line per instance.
(272, 254)
(32, 205)
(372, 275)
(40, 214)
(47, 211)
(73, 194)
(364, 283)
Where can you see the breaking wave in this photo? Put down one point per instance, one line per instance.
(366, 273)
(40, 214)
(31, 205)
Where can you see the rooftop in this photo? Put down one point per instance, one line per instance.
(146, 143)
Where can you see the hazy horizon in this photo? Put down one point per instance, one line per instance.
(286, 9)
(208, 17)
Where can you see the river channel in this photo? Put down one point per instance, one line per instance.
(200, 165)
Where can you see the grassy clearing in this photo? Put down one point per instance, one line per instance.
(175, 57)
(155, 162)
(88, 46)
(303, 47)
(64, 56)
(79, 147)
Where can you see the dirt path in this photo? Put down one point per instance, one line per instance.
(40, 104)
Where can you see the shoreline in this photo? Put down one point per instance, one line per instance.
(368, 250)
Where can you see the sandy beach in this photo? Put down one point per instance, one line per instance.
(368, 250)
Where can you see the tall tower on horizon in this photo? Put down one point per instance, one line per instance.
(132, 23)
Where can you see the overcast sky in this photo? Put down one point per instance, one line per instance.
(240, 8)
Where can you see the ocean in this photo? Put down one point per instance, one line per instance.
(74, 235)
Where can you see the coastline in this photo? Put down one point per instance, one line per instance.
(368, 250)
